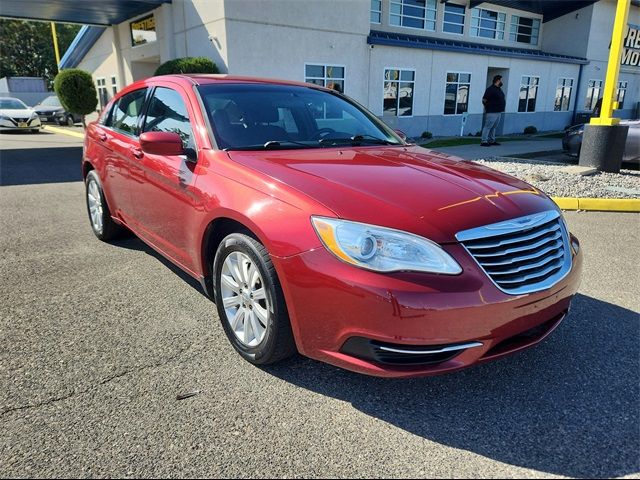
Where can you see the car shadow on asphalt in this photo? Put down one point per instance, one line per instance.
(131, 242)
(30, 166)
(567, 407)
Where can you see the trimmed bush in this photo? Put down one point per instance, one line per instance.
(530, 130)
(426, 135)
(76, 91)
(187, 65)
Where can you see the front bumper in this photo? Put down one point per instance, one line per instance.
(331, 303)
(20, 124)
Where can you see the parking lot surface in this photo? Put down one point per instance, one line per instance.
(97, 340)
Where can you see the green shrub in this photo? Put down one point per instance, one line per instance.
(187, 65)
(530, 130)
(478, 133)
(426, 135)
(76, 91)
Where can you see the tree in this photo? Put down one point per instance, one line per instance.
(26, 48)
(76, 91)
(187, 65)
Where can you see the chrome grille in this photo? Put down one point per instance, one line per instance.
(522, 255)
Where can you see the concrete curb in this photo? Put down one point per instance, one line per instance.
(598, 204)
(63, 131)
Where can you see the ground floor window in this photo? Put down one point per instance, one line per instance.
(528, 94)
(114, 84)
(103, 93)
(456, 97)
(330, 76)
(398, 92)
(563, 95)
(621, 91)
(594, 88)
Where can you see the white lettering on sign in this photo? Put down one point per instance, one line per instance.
(631, 44)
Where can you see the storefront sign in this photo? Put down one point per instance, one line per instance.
(631, 44)
(143, 30)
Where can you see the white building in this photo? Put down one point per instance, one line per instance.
(419, 64)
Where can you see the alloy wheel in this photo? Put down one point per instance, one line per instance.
(95, 205)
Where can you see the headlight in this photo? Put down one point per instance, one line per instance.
(4, 117)
(382, 249)
(33, 115)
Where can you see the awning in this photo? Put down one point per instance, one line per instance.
(88, 12)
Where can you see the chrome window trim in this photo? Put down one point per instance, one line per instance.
(513, 226)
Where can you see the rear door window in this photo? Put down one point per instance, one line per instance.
(125, 115)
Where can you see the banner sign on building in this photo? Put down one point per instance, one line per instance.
(631, 44)
(143, 30)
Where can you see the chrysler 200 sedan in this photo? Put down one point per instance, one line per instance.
(317, 229)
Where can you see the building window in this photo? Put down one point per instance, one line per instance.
(456, 97)
(114, 84)
(103, 93)
(376, 11)
(143, 30)
(413, 14)
(453, 21)
(620, 93)
(487, 23)
(398, 92)
(330, 76)
(528, 94)
(524, 30)
(563, 95)
(594, 87)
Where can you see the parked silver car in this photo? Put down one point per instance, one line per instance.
(572, 141)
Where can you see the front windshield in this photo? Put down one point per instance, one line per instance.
(253, 117)
(12, 104)
(51, 101)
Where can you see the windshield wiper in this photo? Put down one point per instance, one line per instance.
(271, 144)
(358, 139)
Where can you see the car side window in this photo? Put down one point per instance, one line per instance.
(167, 112)
(126, 112)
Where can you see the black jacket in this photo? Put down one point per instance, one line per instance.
(495, 101)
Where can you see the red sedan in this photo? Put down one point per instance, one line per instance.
(317, 229)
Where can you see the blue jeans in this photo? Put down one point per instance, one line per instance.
(491, 121)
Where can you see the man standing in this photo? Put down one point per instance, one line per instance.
(494, 103)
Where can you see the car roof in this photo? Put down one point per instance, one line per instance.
(210, 79)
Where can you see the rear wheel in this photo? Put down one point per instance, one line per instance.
(70, 122)
(103, 226)
(250, 301)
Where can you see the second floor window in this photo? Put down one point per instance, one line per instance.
(453, 18)
(620, 93)
(594, 87)
(376, 11)
(456, 96)
(330, 76)
(413, 14)
(487, 23)
(528, 94)
(563, 95)
(524, 30)
(398, 93)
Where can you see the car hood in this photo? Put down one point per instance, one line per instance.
(407, 188)
(47, 109)
(17, 113)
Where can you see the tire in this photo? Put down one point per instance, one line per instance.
(35, 130)
(102, 225)
(70, 122)
(266, 311)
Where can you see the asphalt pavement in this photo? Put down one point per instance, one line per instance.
(97, 340)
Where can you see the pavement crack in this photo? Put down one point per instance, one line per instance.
(51, 401)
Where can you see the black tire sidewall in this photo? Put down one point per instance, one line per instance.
(262, 353)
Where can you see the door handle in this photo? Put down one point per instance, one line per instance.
(136, 152)
(102, 136)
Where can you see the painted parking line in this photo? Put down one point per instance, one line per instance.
(598, 204)
(63, 131)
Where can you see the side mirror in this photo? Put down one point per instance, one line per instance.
(161, 143)
(401, 134)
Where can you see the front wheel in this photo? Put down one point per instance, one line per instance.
(250, 301)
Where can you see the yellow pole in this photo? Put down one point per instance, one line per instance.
(55, 44)
(613, 68)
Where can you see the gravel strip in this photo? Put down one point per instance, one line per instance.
(549, 178)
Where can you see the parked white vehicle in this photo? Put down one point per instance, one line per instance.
(15, 115)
